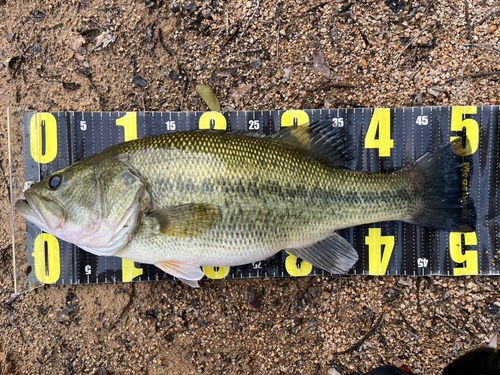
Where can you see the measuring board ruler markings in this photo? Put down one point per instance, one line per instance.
(384, 139)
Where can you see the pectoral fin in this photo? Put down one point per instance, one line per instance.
(333, 254)
(188, 272)
(187, 220)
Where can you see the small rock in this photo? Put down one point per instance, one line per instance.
(434, 91)
(312, 291)
(11, 299)
(101, 371)
(207, 13)
(252, 297)
(333, 371)
(103, 40)
(416, 99)
(71, 86)
(35, 50)
(257, 63)
(71, 297)
(190, 8)
(493, 308)
(288, 73)
(226, 72)
(446, 295)
(319, 63)
(172, 74)
(38, 14)
(362, 63)
(141, 82)
(175, 7)
(395, 5)
(313, 324)
(492, 29)
(406, 281)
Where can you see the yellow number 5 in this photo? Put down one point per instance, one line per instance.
(469, 257)
(471, 127)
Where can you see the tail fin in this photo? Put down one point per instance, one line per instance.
(442, 177)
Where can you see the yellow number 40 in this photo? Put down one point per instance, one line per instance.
(381, 121)
(378, 263)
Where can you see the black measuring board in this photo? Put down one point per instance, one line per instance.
(384, 140)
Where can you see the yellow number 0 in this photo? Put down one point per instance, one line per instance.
(129, 123)
(52, 259)
(288, 118)
(292, 268)
(216, 272)
(36, 137)
(217, 117)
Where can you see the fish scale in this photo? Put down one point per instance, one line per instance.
(271, 196)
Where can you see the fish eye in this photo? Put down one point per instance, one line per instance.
(55, 182)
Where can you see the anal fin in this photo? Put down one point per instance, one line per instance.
(333, 254)
(187, 272)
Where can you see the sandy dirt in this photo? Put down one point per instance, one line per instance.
(129, 55)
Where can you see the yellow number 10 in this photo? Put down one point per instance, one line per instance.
(129, 123)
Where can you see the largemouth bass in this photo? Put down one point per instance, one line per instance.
(208, 198)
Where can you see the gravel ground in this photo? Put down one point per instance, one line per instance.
(146, 55)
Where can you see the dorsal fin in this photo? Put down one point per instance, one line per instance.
(321, 138)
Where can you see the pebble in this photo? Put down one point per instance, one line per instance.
(140, 82)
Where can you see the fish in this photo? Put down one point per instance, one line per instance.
(185, 200)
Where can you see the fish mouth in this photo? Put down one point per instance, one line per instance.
(42, 212)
